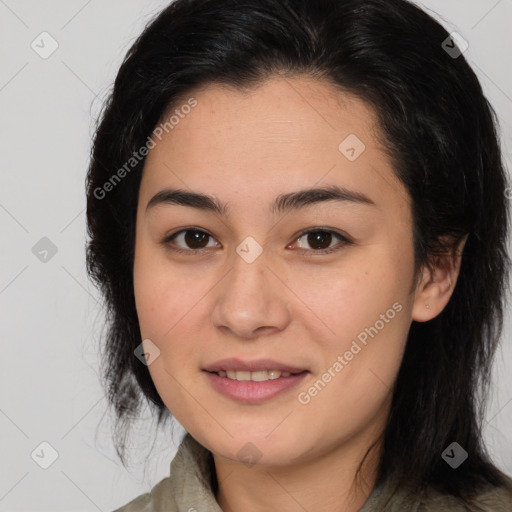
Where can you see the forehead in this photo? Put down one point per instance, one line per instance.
(280, 110)
(284, 133)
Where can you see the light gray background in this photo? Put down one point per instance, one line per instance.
(51, 320)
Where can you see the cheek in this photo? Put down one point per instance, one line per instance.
(164, 300)
(344, 300)
(361, 313)
(360, 367)
(162, 294)
(171, 314)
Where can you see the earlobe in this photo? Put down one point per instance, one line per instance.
(437, 284)
(427, 294)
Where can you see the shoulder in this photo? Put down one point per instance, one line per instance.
(394, 498)
(490, 499)
(187, 488)
(159, 498)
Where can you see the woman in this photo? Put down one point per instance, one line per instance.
(297, 214)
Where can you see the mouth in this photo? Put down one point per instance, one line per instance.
(253, 382)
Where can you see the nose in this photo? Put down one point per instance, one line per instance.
(251, 301)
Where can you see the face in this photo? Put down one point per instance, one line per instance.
(271, 277)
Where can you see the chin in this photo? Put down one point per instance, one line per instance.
(254, 447)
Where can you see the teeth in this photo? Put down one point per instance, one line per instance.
(258, 376)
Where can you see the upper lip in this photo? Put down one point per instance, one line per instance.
(252, 366)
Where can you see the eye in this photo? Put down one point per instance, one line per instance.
(193, 241)
(320, 240)
(189, 240)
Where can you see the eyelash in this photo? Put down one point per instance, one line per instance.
(308, 252)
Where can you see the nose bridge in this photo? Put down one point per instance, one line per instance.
(251, 297)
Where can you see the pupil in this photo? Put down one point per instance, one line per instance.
(321, 238)
(194, 238)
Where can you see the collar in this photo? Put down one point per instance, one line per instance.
(190, 488)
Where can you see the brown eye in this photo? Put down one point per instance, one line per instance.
(196, 239)
(189, 240)
(319, 241)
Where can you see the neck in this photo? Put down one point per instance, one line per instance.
(338, 481)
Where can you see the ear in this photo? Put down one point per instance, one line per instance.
(437, 283)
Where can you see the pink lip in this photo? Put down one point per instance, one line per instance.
(252, 392)
(252, 366)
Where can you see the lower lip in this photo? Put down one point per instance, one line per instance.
(251, 391)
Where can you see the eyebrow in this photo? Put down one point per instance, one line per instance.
(283, 203)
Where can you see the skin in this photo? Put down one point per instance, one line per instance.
(247, 148)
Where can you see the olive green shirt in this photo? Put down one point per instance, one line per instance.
(188, 489)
